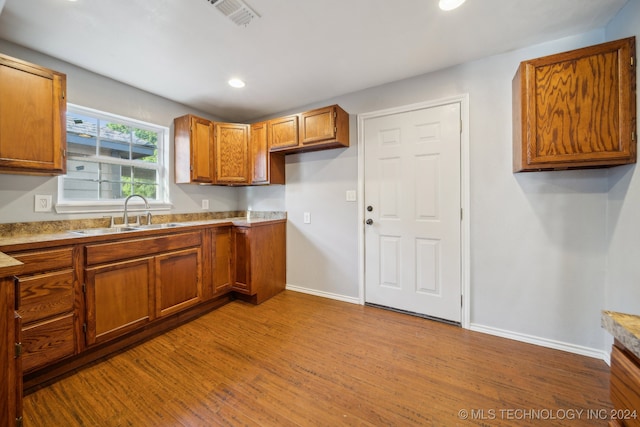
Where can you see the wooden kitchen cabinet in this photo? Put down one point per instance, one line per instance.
(259, 261)
(194, 150)
(283, 133)
(221, 261)
(266, 167)
(324, 128)
(624, 387)
(10, 355)
(49, 295)
(231, 153)
(576, 109)
(131, 282)
(33, 120)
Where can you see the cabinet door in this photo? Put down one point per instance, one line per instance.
(259, 154)
(242, 261)
(576, 109)
(283, 133)
(317, 125)
(202, 167)
(178, 280)
(33, 119)
(232, 153)
(221, 260)
(266, 167)
(119, 298)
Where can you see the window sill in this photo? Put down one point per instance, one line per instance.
(109, 207)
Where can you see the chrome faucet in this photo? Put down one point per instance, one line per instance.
(146, 205)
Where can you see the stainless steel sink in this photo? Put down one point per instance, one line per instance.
(100, 231)
(156, 226)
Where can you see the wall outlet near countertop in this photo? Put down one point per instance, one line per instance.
(205, 204)
(43, 203)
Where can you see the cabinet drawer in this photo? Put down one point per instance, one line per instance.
(108, 252)
(625, 386)
(46, 342)
(46, 295)
(40, 261)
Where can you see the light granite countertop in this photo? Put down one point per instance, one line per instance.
(62, 231)
(9, 266)
(625, 328)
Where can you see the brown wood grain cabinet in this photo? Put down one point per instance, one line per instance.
(131, 282)
(266, 167)
(33, 119)
(50, 306)
(221, 261)
(625, 387)
(194, 150)
(231, 153)
(260, 261)
(10, 354)
(576, 109)
(283, 133)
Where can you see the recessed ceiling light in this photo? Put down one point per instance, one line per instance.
(236, 83)
(450, 4)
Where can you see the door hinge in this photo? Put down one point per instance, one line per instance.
(461, 214)
(19, 422)
(461, 301)
(460, 126)
(18, 349)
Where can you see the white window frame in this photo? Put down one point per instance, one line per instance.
(163, 202)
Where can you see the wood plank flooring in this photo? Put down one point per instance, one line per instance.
(301, 360)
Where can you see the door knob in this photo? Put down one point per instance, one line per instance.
(369, 208)
(369, 221)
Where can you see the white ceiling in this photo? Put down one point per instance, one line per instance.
(297, 53)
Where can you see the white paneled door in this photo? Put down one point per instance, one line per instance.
(413, 211)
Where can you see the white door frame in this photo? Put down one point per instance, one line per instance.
(464, 194)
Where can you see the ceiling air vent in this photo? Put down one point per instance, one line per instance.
(236, 10)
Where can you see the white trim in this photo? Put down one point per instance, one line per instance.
(465, 197)
(323, 294)
(543, 342)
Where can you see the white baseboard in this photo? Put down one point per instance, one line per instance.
(323, 294)
(543, 342)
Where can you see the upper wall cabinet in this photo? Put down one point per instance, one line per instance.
(266, 167)
(193, 141)
(576, 109)
(232, 153)
(33, 112)
(319, 129)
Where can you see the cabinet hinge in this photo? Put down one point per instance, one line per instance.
(84, 288)
(63, 94)
(18, 349)
(84, 328)
(632, 60)
(19, 422)
(64, 154)
(633, 135)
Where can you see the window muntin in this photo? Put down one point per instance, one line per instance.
(111, 157)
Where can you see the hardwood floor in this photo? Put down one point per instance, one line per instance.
(300, 360)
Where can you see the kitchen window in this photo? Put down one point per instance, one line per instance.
(109, 158)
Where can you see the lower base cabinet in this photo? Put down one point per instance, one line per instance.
(625, 387)
(260, 267)
(144, 279)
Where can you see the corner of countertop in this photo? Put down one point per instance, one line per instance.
(624, 327)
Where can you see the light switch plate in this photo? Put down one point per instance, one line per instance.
(351, 195)
(307, 217)
(42, 203)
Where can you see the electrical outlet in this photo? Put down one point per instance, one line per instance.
(205, 204)
(307, 217)
(42, 203)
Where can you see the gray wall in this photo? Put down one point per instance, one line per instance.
(623, 225)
